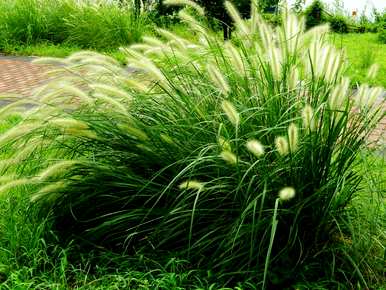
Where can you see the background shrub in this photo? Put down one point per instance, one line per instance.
(315, 14)
(339, 24)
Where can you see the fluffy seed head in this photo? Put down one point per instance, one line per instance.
(218, 79)
(234, 14)
(281, 144)
(308, 118)
(229, 157)
(255, 147)
(192, 184)
(373, 71)
(293, 137)
(56, 169)
(231, 112)
(224, 144)
(287, 193)
(48, 190)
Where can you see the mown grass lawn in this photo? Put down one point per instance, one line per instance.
(362, 51)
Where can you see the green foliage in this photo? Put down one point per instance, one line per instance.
(273, 18)
(241, 160)
(339, 24)
(315, 14)
(382, 35)
(102, 26)
(363, 50)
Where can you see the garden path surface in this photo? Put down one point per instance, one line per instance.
(18, 75)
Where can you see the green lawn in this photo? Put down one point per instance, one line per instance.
(362, 51)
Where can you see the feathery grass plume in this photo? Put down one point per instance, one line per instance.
(118, 106)
(218, 79)
(134, 132)
(255, 147)
(334, 66)
(234, 14)
(229, 157)
(136, 85)
(254, 16)
(292, 29)
(68, 123)
(275, 61)
(166, 138)
(339, 94)
(193, 23)
(189, 3)
(66, 89)
(50, 189)
(224, 144)
(361, 95)
(51, 61)
(317, 32)
(5, 188)
(17, 132)
(308, 118)
(375, 94)
(323, 59)
(235, 57)
(293, 137)
(173, 38)
(152, 41)
(281, 144)
(140, 61)
(57, 169)
(112, 91)
(192, 184)
(231, 112)
(373, 71)
(293, 79)
(286, 193)
(266, 33)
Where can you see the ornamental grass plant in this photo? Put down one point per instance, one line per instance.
(239, 156)
(85, 24)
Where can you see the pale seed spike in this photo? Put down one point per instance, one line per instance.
(15, 183)
(112, 102)
(192, 184)
(281, 144)
(48, 190)
(56, 169)
(229, 157)
(112, 91)
(224, 144)
(255, 147)
(235, 57)
(231, 112)
(293, 137)
(173, 38)
(373, 71)
(286, 193)
(218, 79)
(68, 123)
(234, 14)
(308, 118)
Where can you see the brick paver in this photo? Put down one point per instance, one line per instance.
(18, 75)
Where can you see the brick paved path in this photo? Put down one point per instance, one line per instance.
(18, 75)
